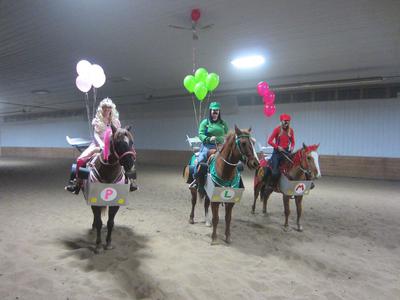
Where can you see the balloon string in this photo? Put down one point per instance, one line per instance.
(88, 114)
(94, 102)
(195, 113)
(207, 101)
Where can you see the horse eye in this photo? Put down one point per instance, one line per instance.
(309, 158)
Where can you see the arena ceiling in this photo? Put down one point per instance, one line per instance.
(144, 58)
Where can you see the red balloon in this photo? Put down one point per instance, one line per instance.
(195, 15)
(269, 98)
(269, 110)
(262, 88)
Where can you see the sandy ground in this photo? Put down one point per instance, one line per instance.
(349, 248)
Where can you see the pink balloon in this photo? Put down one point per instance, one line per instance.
(269, 110)
(269, 98)
(262, 88)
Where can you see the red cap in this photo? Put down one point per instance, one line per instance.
(285, 117)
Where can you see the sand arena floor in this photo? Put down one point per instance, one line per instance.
(349, 248)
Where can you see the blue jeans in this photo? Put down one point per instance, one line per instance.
(203, 154)
(275, 160)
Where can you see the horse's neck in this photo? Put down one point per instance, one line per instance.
(224, 170)
(109, 171)
(295, 173)
(294, 169)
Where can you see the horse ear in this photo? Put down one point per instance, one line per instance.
(113, 129)
(249, 130)
(237, 130)
(129, 127)
(318, 145)
(304, 146)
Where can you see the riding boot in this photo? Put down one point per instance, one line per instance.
(74, 186)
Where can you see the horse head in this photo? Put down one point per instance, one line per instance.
(245, 147)
(121, 146)
(309, 161)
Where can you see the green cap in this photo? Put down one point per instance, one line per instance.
(214, 105)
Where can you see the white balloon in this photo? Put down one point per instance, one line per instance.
(83, 67)
(83, 83)
(97, 76)
(99, 80)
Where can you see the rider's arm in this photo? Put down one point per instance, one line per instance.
(98, 139)
(273, 137)
(202, 132)
(220, 139)
(292, 141)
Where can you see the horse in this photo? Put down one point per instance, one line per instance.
(300, 165)
(111, 165)
(237, 148)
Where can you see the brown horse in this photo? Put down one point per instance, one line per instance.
(119, 163)
(237, 148)
(300, 165)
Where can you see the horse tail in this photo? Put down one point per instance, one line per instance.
(103, 210)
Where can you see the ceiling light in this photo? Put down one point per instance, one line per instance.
(40, 92)
(248, 62)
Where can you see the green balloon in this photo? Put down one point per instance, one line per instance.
(201, 75)
(212, 81)
(200, 91)
(189, 82)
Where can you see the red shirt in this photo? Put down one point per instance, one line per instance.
(284, 140)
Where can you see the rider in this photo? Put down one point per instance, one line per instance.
(106, 115)
(212, 131)
(282, 139)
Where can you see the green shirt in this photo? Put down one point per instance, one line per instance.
(208, 129)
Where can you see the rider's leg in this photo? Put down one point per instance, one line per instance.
(275, 160)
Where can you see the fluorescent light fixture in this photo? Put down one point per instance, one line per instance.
(248, 62)
(40, 92)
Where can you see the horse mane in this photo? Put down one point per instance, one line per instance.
(297, 155)
(230, 138)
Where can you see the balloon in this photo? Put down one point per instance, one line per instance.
(201, 75)
(200, 91)
(189, 82)
(262, 88)
(269, 110)
(97, 76)
(212, 81)
(99, 80)
(83, 83)
(269, 98)
(83, 67)
(195, 15)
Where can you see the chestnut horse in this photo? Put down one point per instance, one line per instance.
(238, 148)
(111, 168)
(300, 165)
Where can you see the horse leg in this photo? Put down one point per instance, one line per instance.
(299, 207)
(215, 219)
(228, 217)
(287, 212)
(264, 197)
(206, 206)
(257, 189)
(98, 224)
(112, 211)
(194, 199)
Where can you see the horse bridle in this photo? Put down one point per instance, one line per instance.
(243, 157)
(306, 171)
(129, 152)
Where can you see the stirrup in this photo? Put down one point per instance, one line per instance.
(133, 186)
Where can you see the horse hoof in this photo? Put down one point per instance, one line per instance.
(191, 221)
(253, 212)
(299, 228)
(214, 242)
(99, 249)
(286, 228)
(208, 223)
(109, 247)
(265, 213)
(228, 240)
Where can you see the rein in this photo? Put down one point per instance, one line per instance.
(243, 158)
(305, 171)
